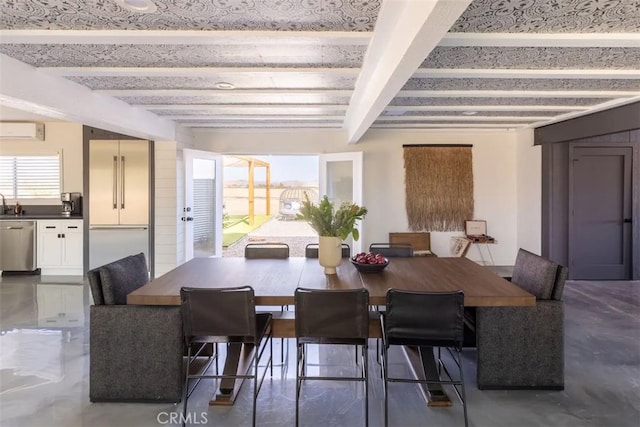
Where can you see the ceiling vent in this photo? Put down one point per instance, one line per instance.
(25, 131)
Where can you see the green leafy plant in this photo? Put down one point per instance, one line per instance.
(328, 221)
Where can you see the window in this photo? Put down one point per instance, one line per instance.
(30, 177)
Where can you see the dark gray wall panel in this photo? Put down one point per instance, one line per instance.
(555, 202)
(555, 195)
(619, 119)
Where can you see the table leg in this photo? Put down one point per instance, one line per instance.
(238, 361)
(423, 364)
(230, 367)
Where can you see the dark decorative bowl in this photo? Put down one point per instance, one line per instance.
(370, 268)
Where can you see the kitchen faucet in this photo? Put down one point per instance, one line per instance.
(4, 205)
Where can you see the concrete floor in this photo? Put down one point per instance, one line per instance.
(44, 374)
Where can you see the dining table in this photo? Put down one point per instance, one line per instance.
(274, 282)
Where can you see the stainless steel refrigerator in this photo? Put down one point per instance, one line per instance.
(118, 200)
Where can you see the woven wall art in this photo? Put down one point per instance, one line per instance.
(439, 186)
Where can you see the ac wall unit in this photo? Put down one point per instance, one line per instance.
(29, 131)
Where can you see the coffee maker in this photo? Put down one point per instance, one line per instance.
(71, 203)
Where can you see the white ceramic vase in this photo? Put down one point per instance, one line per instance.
(329, 253)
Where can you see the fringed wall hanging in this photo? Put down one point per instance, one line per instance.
(439, 186)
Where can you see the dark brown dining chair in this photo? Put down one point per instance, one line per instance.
(338, 317)
(392, 249)
(425, 320)
(311, 250)
(226, 315)
(266, 250)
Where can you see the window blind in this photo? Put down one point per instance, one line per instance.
(30, 177)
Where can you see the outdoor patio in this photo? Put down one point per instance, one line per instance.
(297, 234)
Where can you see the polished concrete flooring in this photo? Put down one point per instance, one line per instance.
(44, 361)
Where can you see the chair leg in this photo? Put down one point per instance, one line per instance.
(215, 350)
(365, 363)
(271, 356)
(299, 367)
(385, 361)
(255, 383)
(186, 387)
(304, 359)
(282, 309)
(464, 396)
(282, 351)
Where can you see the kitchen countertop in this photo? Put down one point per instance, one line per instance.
(27, 217)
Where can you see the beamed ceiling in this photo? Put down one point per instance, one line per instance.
(344, 64)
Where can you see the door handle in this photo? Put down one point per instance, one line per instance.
(627, 220)
(122, 182)
(115, 182)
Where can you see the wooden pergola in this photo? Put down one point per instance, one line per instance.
(251, 163)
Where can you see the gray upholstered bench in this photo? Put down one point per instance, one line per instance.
(523, 347)
(135, 351)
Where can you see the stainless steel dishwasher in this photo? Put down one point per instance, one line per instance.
(17, 245)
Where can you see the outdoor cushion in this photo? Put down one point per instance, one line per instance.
(122, 277)
(534, 274)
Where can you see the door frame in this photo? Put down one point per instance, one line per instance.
(355, 157)
(188, 155)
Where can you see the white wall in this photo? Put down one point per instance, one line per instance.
(494, 169)
(166, 207)
(529, 190)
(60, 137)
(506, 168)
(169, 203)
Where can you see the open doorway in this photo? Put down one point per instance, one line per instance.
(262, 195)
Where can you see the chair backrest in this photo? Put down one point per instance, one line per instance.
(123, 276)
(226, 313)
(424, 318)
(266, 250)
(311, 250)
(538, 275)
(420, 241)
(326, 316)
(392, 249)
(96, 286)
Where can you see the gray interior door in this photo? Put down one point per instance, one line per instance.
(600, 213)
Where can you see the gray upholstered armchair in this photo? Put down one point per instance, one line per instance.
(135, 350)
(523, 347)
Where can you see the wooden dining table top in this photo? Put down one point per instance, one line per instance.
(275, 280)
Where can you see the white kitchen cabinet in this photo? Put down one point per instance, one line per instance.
(60, 247)
(60, 305)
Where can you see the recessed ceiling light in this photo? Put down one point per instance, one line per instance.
(469, 113)
(140, 6)
(395, 112)
(224, 85)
